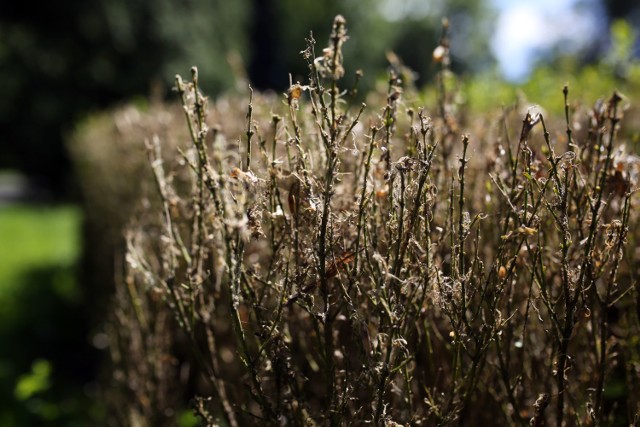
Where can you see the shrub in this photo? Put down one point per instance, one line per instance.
(326, 262)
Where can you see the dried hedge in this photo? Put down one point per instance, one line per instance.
(311, 260)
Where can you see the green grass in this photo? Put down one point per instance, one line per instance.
(34, 237)
(42, 372)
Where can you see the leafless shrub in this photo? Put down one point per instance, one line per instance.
(327, 263)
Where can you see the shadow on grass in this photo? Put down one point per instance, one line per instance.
(48, 366)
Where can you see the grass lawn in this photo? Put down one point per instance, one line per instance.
(33, 237)
(41, 370)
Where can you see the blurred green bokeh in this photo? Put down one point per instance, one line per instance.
(46, 362)
(33, 237)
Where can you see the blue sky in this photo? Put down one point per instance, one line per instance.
(525, 30)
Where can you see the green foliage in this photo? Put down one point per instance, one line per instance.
(187, 419)
(45, 363)
(623, 39)
(34, 382)
(618, 70)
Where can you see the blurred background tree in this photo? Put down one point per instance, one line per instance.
(60, 61)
